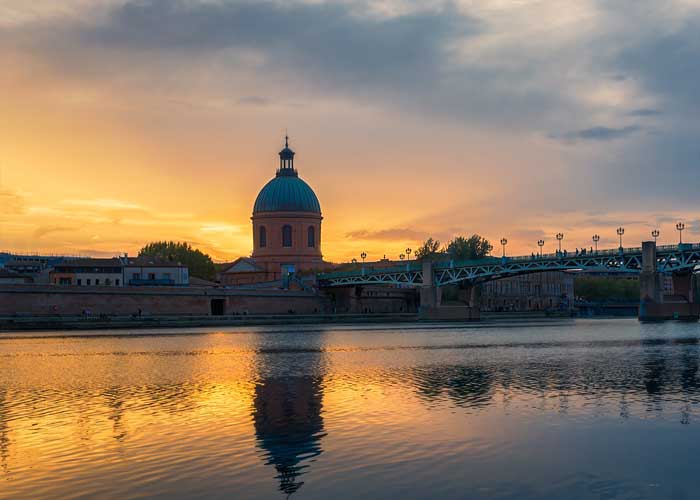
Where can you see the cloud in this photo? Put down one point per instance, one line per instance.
(11, 202)
(253, 100)
(642, 112)
(387, 234)
(105, 204)
(599, 133)
(44, 230)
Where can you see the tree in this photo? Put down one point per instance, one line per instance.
(200, 264)
(429, 248)
(472, 248)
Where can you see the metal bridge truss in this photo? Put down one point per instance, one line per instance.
(670, 259)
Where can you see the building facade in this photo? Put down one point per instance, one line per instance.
(119, 272)
(286, 229)
(553, 290)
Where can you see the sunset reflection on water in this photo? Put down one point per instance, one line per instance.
(558, 409)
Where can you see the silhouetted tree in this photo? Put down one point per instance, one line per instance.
(429, 248)
(472, 248)
(200, 264)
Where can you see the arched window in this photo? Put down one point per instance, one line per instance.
(287, 235)
(311, 237)
(263, 237)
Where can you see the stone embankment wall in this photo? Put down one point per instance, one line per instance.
(42, 300)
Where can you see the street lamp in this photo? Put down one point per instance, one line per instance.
(596, 239)
(363, 256)
(680, 226)
(408, 253)
(504, 242)
(620, 232)
(560, 236)
(655, 234)
(540, 243)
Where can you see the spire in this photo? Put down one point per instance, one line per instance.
(286, 160)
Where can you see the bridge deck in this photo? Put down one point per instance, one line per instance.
(670, 258)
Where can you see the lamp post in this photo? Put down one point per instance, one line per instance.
(363, 256)
(620, 232)
(540, 243)
(560, 236)
(596, 239)
(504, 242)
(408, 253)
(655, 234)
(680, 227)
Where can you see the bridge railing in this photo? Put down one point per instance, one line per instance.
(415, 266)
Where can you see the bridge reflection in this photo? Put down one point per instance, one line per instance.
(655, 373)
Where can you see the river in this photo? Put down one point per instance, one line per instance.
(569, 409)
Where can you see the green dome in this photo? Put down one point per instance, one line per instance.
(286, 193)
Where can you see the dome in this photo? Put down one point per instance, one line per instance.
(286, 193)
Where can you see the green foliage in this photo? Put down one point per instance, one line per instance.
(429, 248)
(603, 289)
(460, 248)
(472, 248)
(200, 264)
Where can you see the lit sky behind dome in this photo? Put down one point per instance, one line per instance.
(125, 121)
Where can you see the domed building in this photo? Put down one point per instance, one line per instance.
(286, 229)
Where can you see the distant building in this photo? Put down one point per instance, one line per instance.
(286, 229)
(119, 272)
(9, 277)
(529, 292)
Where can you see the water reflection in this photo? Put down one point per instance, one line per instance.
(289, 426)
(344, 415)
(646, 375)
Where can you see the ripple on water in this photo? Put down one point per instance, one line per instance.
(569, 410)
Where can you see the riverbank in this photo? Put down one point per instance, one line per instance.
(33, 323)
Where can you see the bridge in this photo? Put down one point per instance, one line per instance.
(430, 275)
(670, 258)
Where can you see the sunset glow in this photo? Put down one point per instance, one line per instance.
(126, 122)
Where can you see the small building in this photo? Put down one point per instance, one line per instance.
(119, 272)
(88, 272)
(9, 277)
(149, 271)
(529, 292)
(243, 271)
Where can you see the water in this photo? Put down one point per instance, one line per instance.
(564, 409)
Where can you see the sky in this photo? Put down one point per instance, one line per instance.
(128, 121)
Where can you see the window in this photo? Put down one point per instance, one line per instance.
(311, 237)
(263, 237)
(151, 276)
(88, 282)
(80, 282)
(287, 236)
(116, 282)
(108, 282)
(97, 282)
(136, 276)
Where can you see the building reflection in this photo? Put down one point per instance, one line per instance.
(652, 375)
(287, 416)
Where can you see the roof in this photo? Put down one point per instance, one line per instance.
(287, 193)
(145, 261)
(242, 265)
(120, 261)
(91, 262)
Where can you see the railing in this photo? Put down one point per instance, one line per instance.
(415, 266)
